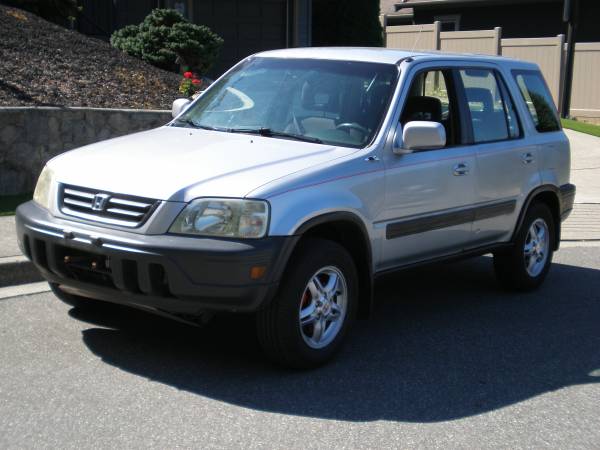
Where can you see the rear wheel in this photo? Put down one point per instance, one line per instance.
(305, 325)
(527, 263)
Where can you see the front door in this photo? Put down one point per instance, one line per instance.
(429, 194)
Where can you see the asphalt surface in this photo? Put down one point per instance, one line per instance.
(448, 361)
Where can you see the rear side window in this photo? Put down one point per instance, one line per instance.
(492, 112)
(538, 99)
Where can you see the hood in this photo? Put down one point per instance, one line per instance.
(172, 163)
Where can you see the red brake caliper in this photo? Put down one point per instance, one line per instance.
(305, 299)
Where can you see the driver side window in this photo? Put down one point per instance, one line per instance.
(431, 99)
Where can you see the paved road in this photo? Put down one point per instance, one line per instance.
(447, 361)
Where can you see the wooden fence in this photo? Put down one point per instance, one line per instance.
(486, 42)
(548, 53)
(585, 97)
(413, 37)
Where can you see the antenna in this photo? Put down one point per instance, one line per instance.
(417, 39)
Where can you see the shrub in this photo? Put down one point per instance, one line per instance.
(166, 39)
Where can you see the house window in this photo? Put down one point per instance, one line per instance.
(179, 5)
(450, 22)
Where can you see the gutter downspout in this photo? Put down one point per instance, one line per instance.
(571, 15)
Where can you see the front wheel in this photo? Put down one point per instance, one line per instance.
(526, 264)
(306, 323)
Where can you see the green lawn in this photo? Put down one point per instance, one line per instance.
(8, 203)
(582, 127)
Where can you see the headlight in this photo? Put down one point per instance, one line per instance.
(223, 218)
(43, 188)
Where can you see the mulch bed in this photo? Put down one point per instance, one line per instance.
(45, 64)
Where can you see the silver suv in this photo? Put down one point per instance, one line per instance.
(297, 179)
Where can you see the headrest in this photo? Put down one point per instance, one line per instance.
(422, 108)
(482, 95)
(318, 96)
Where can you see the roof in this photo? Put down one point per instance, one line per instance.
(432, 3)
(380, 55)
(387, 6)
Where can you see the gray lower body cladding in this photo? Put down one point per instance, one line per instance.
(180, 275)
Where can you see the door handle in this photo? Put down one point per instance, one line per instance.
(527, 158)
(461, 169)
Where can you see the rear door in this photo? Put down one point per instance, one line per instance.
(506, 162)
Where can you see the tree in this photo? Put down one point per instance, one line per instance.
(347, 23)
(166, 39)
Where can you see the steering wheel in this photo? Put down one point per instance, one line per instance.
(352, 126)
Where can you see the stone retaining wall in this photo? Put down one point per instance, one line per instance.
(30, 136)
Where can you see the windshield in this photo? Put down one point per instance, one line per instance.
(332, 102)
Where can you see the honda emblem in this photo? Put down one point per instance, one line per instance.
(100, 202)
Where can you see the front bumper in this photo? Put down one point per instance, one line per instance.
(173, 274)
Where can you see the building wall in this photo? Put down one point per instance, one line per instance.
(100, 18)
(302, 20)
(247, 26)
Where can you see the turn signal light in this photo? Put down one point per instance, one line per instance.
(257, 272)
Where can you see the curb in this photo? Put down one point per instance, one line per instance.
(15, 270)
(23, 289)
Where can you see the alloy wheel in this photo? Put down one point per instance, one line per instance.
(537, 245)
(323, 307)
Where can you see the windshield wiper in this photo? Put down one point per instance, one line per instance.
(191, 123)
(267, 132)
(187, 121)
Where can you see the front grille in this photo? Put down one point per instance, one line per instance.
(106, 207)
(127, 275)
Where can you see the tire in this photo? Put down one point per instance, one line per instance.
(282, 337)
(75, 301)
(525, 266)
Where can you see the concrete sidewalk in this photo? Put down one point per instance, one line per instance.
(8, 241)
(15, 269)
(582, 225)
(585, 166)
(584, 222)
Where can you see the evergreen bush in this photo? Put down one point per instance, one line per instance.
(167, 40)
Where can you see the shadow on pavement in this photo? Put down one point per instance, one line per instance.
(444, 343)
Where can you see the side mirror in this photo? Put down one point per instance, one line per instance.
(419, 135)
(179, 106)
